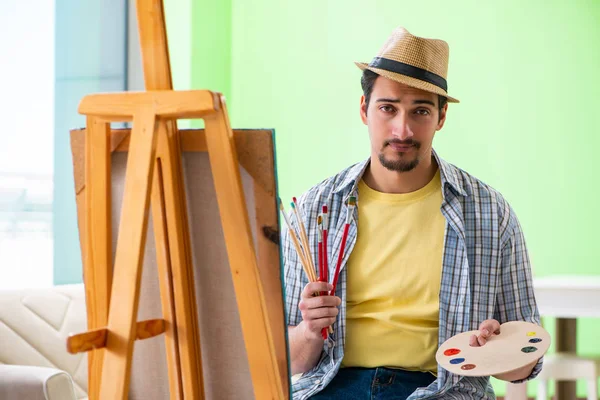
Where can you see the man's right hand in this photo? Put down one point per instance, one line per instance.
(318, 312)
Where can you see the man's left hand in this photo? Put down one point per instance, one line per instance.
(487, 329)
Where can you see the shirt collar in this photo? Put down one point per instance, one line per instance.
(352, 177)
(449, 175)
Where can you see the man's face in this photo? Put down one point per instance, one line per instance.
(402, 122)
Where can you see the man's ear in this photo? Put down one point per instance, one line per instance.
(442, 117)
(363, 110)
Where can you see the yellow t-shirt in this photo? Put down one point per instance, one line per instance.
(394, 275)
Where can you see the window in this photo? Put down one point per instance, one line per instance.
(26, 142)
(54, 54)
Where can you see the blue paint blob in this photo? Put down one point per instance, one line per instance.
(457, 360)
(529, 349)
(535, 340)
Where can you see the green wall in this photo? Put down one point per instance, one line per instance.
(526, 74)
(211, 46)
(199, 34)
(178, 20)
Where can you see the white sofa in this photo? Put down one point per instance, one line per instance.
(34, 362)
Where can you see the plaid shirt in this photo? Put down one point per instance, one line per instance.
(485, 273)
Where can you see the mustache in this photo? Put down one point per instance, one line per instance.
(408, 142)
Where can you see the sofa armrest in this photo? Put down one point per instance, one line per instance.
(35, 383)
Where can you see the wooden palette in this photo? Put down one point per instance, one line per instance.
(518, 344)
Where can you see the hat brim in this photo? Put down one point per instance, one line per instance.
(408, 80)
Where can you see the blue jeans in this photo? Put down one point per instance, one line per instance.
(373, 384)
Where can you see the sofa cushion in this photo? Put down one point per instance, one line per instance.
(35, 324)
(34, 383)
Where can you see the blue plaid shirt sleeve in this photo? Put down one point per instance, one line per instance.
(516, 299)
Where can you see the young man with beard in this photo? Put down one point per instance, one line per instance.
(432, 251)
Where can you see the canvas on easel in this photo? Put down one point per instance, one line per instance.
(224, 362)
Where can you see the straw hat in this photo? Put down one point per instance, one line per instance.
(414, 61)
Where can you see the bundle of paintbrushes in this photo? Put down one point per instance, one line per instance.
(303, 248)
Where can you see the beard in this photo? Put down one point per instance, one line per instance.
(403, 162)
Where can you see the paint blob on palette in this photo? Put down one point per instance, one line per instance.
(518, 344)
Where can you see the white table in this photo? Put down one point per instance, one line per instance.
(566, 297)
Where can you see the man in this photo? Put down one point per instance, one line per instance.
(431, 252)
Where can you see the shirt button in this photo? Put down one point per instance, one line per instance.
(318, 381)
(329, 344)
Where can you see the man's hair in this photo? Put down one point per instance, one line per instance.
(368, 81)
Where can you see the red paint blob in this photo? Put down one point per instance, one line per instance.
(467, 366)
(451, 352)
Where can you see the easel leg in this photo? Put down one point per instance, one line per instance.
(242, 258)
(98, 238)
(185, 369)
(165, 278)
(157, 76)
(183, 273)
(116, 368)
(268, 256)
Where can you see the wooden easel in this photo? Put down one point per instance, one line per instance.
(154, 176)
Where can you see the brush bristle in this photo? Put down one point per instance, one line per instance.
(294, 199)
(293, 205)
(352, 201)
